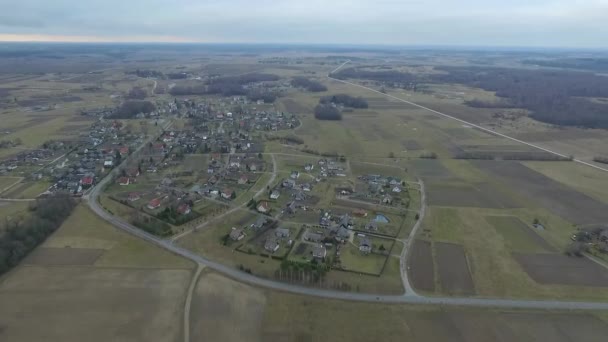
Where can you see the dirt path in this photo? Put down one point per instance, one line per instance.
(188, 303)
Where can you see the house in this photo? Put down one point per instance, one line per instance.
(342, 234)
(253, 167)
(124, 180)
(133, 172)
(346, 221)
(313, 237)
(365, 246)
(134, 196)
(227, 193)
(325, 220)
(184, 209)
(281, 233)
(306, 187)
(271, 245)
(154, 203)
(210, 170)
(237, 234)
(319, 252)
(309, 167)
(371, 225)
(275, 194)
(359, 213)
(263, 207)
(108, 163)
(86, 181)
(235, 163)
(243, 180)
(291, 208)
(294, 175)
(259, 223)
(388, 199)
(289, 183)
(123, 150)
(397, 189)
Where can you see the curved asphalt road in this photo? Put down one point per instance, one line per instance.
(410, 297)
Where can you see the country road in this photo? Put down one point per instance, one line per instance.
(493, 132)
(409, 242)
(409, 297)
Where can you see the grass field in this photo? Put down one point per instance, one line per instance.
(6, 182)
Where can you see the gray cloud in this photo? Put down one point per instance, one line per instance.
(465, 22)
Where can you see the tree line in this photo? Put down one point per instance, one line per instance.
(308, 84)
(345, 100)
(129, 109)
(230, 86)
(21, 237)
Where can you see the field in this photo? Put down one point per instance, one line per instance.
(518, 236)
(453, 269)
(422, 269)
(563, 270)
(89, 279)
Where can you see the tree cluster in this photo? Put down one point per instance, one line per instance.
(345, 100)
(308, 84)
(147, 73)
(556, 97)
(129, 109)
(21, 237)
(327, 112)
(137, 93)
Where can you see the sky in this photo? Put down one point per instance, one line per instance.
(518, 23)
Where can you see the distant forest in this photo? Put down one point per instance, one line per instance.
(308, 84)
(230, 86)
(591, 64)
(558, 97)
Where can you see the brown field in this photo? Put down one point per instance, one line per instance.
(93, 304)
(63, 256)
(481, 195)
(422, 268)
(453, 269)
(296, 318)
(560, 199)
(411, 145)
(563, 270)
(218, 303)
(429, 169)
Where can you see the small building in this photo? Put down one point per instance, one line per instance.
(124, 180)
(282, 233)
(371, 225)
(387, 199)
(313, 237)
(319, 252)
(263, 207)
(237, 234)
(259, 223)
(396, 189)
(294, 175)
(184, 209)
(243, 180)
(134, 196)
(289, 183)
(275, 194)
(227, 194)
(271, 245)
(365, 245)
(309, 167)
(154, 203)
(86, 182)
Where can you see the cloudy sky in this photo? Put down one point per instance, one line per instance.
(539, 23)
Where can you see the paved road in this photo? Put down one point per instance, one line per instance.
(466, 122)
(410, 297)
